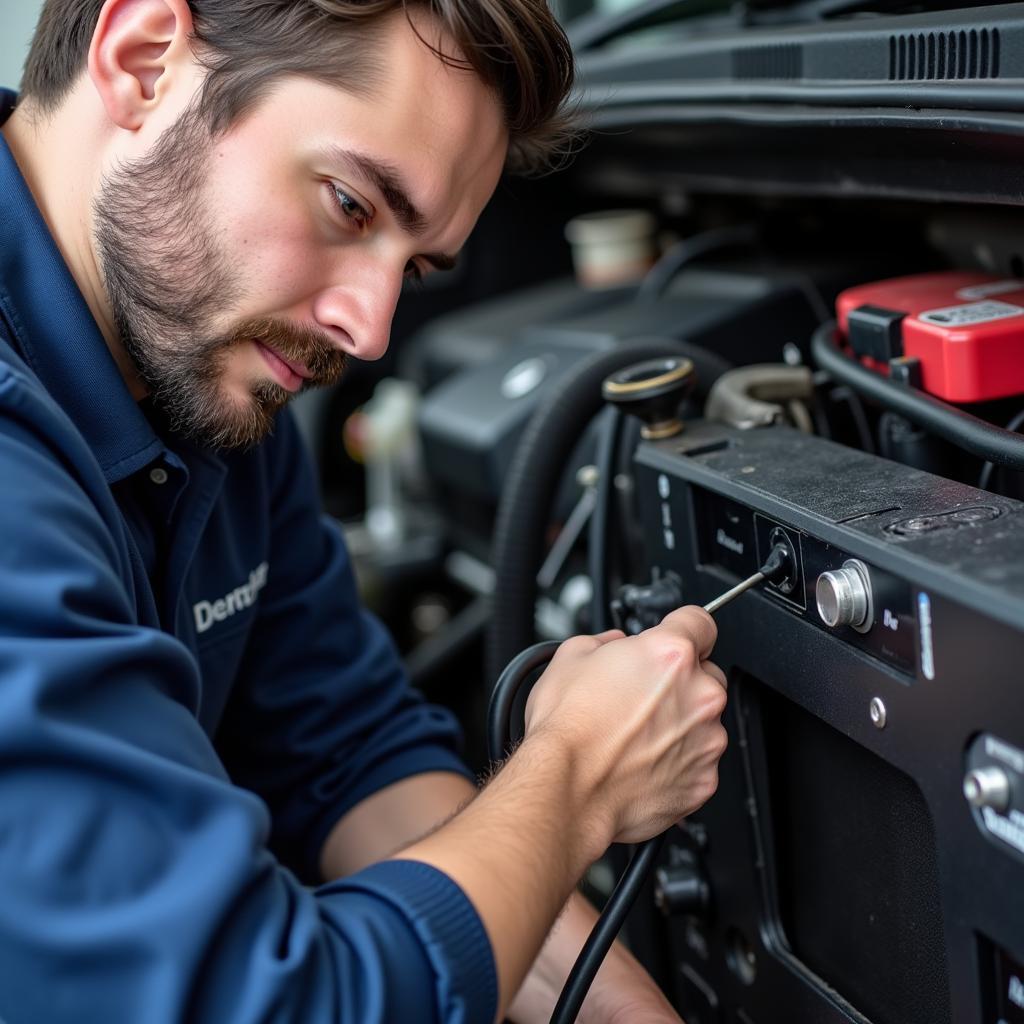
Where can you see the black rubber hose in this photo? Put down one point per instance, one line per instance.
(536, 471)
(503, 697)
(681, 255)
(608, 926)
(973, 435)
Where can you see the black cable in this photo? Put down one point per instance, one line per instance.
(989, 468)
(608, 926)
(499, 712)
(937, 417)
(682, 254)
(600, 940)
(860, 418)
(599, 539)
(884, 440)
(631, 550)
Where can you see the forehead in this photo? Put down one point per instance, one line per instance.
(440, 126)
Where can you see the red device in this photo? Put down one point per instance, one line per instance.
(965, 330)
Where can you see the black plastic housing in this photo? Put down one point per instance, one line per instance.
(850, 879)
(924, 105)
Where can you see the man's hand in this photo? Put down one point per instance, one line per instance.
(623, 738)
(640, 717)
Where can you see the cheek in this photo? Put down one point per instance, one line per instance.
(272, 247)
(278, 263)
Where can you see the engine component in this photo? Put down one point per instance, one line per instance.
(653, 391)
(757, 396)
(1003, 447)
(863, 884)
(966, 330)
(681, 888)
(533, 479)
(487, 370)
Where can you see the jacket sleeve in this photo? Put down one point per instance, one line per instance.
(135, 879)
(322, 714)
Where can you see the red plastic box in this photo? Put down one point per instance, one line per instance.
(967, 329)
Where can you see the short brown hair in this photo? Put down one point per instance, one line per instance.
(516, 47)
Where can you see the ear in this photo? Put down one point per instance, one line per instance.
(137, 47)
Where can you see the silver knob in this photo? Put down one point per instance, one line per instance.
(844, 596)
(987, 787)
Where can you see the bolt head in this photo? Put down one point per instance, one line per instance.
(878, 712)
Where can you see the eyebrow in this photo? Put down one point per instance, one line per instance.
(388, 181)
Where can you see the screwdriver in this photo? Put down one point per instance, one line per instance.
(779, 563)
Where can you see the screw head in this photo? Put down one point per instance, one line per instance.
(878, 712)
(971, 515)
(922, 525)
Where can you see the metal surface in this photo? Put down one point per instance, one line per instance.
(987, 787)
(879, 716)
(844, 596)
(730, 595)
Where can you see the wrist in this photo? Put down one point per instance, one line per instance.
(586, 808)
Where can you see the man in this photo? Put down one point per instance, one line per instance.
(204, 206)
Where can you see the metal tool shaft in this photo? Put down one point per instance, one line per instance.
(723, 599)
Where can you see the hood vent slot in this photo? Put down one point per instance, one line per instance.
(934, 56)
(785, 61)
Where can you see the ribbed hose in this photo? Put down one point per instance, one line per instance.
(973, 435)
(537, 468)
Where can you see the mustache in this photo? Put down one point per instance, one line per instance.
(300, 344)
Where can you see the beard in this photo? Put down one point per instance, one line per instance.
(168, 284)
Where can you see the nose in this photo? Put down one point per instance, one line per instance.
(358, 313)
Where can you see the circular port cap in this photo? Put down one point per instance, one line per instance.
(987, 787)
(844, 596)
(653, 391)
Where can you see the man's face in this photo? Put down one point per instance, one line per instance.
(244, 267)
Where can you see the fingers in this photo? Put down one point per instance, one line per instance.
(584, 644)
(694, 623)
(716, 673)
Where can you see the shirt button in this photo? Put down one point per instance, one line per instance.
(158, 475)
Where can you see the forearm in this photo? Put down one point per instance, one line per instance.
(512, 855)
(391, 819)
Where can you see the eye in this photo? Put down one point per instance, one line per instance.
(350, 208)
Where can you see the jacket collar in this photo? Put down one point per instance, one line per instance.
(56, 334)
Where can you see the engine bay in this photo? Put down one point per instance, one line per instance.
(848, 297)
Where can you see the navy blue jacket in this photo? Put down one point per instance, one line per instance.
(190, 698)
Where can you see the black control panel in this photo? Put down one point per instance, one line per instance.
(994, 786)
(863, 858)
(737, 539)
